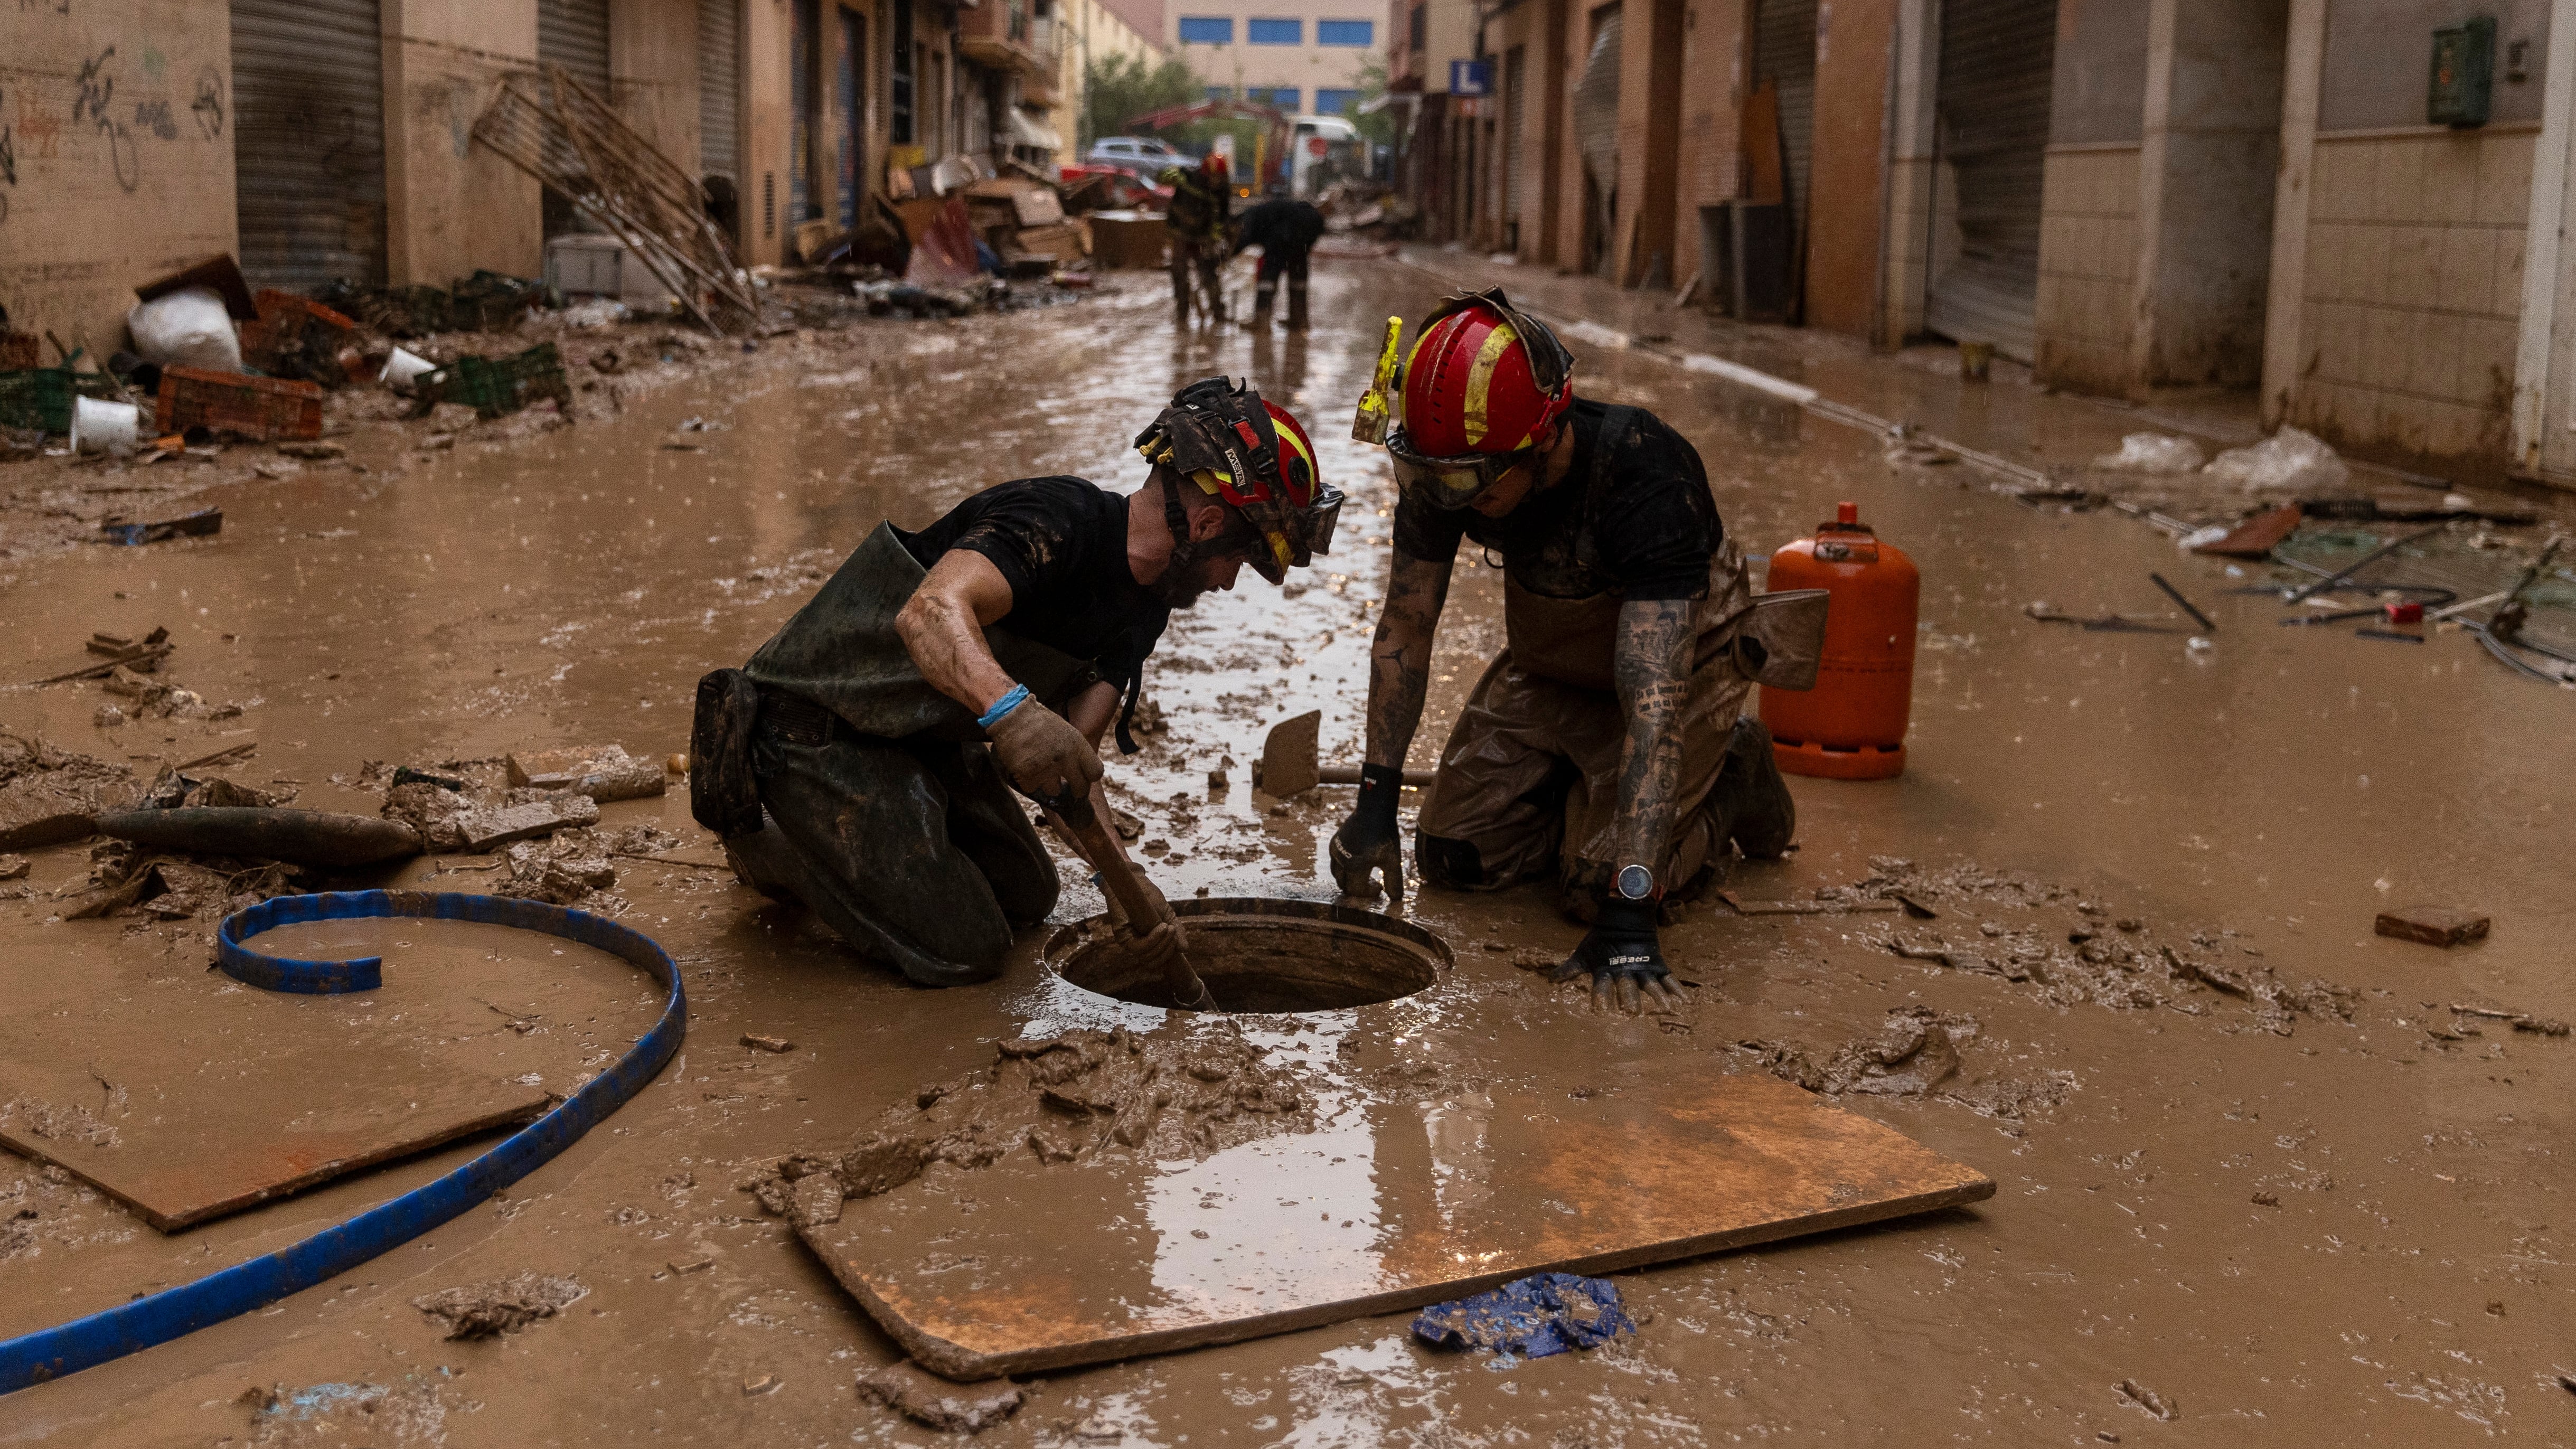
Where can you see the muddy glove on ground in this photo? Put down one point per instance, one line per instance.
(1624, 958)
(1042, 756)
(1370, 842)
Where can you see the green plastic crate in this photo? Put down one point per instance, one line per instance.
(497, 387)
(37, 398)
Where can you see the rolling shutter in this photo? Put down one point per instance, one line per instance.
(574, 34)
(720, 88)
(309, 141)
(1784, 53)
(1515, 155)
(1997, 58)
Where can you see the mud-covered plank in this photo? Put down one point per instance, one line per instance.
(1385, 1208)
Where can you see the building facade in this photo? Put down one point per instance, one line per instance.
(1301, 56)
(325, 139)
(2289, 196)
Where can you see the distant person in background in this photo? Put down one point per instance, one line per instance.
(1286, 231)
(1199, 225)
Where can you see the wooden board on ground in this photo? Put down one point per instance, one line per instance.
(1386, 1207)
(182, 1140)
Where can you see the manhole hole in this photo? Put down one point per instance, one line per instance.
(1260, 955)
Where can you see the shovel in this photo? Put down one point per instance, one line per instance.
(1118, 877)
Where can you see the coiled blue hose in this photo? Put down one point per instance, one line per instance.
(172, 1313)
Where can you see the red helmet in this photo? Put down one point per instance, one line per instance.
(1483, 378)
(1212, 435)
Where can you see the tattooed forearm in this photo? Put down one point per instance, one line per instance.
(1652, 670)
(1400, 659)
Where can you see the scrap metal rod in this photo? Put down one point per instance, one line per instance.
(2348, 570)
(2188, 606)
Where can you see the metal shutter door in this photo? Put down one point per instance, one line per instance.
(574, 34)
(720, 88)
(1992, 118)
(1784, 52)
(1515, 155)
(309, 141)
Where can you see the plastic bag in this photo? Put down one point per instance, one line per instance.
(190, 327)
(2153, 453)
(2289, 459)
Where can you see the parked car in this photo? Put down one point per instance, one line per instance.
(1140, 156)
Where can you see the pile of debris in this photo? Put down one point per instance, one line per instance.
(213, 360)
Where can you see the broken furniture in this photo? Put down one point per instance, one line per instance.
(571, 140)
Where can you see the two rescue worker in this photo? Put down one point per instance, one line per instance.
(1198, 225)
(1602, 747)
(862, 762)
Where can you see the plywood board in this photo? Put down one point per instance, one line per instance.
(182, 1139)
(1023, 1267)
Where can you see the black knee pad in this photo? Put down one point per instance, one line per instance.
(1450, 864)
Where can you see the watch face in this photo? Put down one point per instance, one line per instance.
(1636, 882)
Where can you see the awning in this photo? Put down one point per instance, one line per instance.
(1027, 132)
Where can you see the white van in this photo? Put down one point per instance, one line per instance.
(1327, 149)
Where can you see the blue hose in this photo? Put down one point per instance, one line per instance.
(175, 1312)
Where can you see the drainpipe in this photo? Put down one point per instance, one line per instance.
(2543, 240)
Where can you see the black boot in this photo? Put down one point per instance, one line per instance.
(1296, 307)
(1751, 802)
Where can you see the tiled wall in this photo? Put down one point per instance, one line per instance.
(2088, 267)
(2413, 285)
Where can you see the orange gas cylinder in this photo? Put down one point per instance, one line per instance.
(1851, 726)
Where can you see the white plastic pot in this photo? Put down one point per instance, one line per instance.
(101, 425)
(402, 369)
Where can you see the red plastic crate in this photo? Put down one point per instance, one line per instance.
(263, 409)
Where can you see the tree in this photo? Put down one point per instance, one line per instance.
(1116, 87)
(1378, 125)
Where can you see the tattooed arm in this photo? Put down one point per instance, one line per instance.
(1651, 667)
(1369, 848)
(1400, 659)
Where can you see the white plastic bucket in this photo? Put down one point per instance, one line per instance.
(402, 369)
(102, 425)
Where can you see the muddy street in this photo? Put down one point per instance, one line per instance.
(2259, 1179)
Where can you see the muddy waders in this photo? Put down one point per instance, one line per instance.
(881, 808)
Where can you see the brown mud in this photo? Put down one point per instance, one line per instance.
(2291, 1213)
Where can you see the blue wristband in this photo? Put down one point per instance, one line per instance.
(1019, 694)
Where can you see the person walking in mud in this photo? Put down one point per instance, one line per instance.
(1602, 745)
(862, 762)
(1286, 230)
(1198, 225)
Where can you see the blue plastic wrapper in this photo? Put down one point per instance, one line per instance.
(1532, 1317)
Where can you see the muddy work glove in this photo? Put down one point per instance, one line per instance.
(1624, 959)
(1158, 943)
(1370, 843)
(1042, 756)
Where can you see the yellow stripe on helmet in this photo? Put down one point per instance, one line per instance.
(1480, 379)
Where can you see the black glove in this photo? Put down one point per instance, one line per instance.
(1623, 956)
(1370, 841)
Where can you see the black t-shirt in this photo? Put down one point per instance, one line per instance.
(1061, 544)
(1633, 516)
(1280, 226)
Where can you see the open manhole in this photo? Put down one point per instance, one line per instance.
(1260, 955)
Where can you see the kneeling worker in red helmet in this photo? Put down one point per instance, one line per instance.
(1602, 745)
(862, 762)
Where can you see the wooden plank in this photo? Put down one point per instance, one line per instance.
(185, 1137)
(1807, 908)
(1387, 1207)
